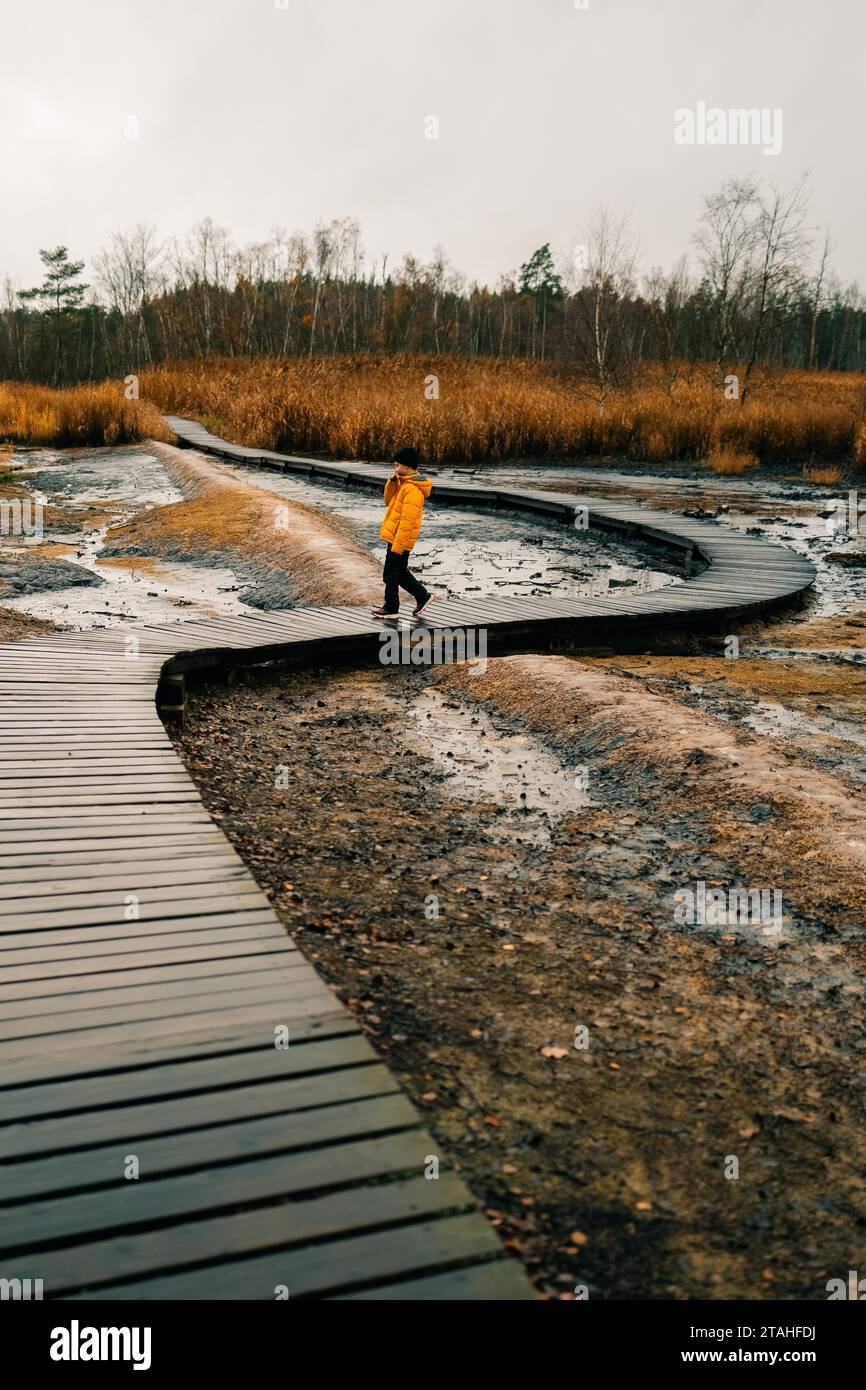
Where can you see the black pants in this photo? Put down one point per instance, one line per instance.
(397, 576)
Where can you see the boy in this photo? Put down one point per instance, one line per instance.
(405, 494)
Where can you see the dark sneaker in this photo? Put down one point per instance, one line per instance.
(383, 614)
(422, 607)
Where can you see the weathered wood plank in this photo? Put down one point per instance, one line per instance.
(211, 1189)
(316, 1270)
(104, 1262)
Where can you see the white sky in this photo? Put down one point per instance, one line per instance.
(262, 116)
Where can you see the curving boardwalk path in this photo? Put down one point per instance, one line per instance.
(145, 979)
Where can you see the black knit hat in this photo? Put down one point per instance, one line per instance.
(409, 457)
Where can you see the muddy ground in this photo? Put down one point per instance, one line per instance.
(602, 1164)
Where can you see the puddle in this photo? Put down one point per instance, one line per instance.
(790, 512)
(158, 595)
(123, 483)
(483, 764)
(132, 480)
(855, 656)
(462, 552)
(778, 721)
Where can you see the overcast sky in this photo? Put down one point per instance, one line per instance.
(263, 116)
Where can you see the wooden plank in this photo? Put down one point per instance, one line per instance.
(126, 780)
(102, 1263)
(34, 806)
(108, 937)
(111, 870)
(61, 969)
(220, 1036)
(184, 1076)
(68, 890)
(211, 1189)
(139, 975)
(98, 905)
(332, 1267)
(495, 1281)
(181, 904)
(256, 1015)
(244, 1138)
(50, 1139)
(163, 1004)
(65, 825)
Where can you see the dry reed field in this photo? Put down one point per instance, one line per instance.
(493, 409)
(487, 409)
(76, 416)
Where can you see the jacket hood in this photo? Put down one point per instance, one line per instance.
(423, 484)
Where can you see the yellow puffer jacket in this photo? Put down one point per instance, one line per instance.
(405, 498)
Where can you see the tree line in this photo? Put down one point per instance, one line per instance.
(756, 287)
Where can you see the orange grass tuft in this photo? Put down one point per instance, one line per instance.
(730, 462)
(77, 416)
(827, 477)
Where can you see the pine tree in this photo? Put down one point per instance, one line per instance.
(538, 277)
(58, 298)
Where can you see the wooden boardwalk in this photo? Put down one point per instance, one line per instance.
(145, 979)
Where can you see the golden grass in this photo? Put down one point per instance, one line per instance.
(487, 409)
(137, 564)
(730, 462)
(77, 416)
(226, 516)
(491, 408)
(828, 477)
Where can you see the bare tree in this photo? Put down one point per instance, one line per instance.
(603, 344)
(782, 243)
(324, 250)
(667, 294)
(819, 297)
(128, 272)
(725, 241)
